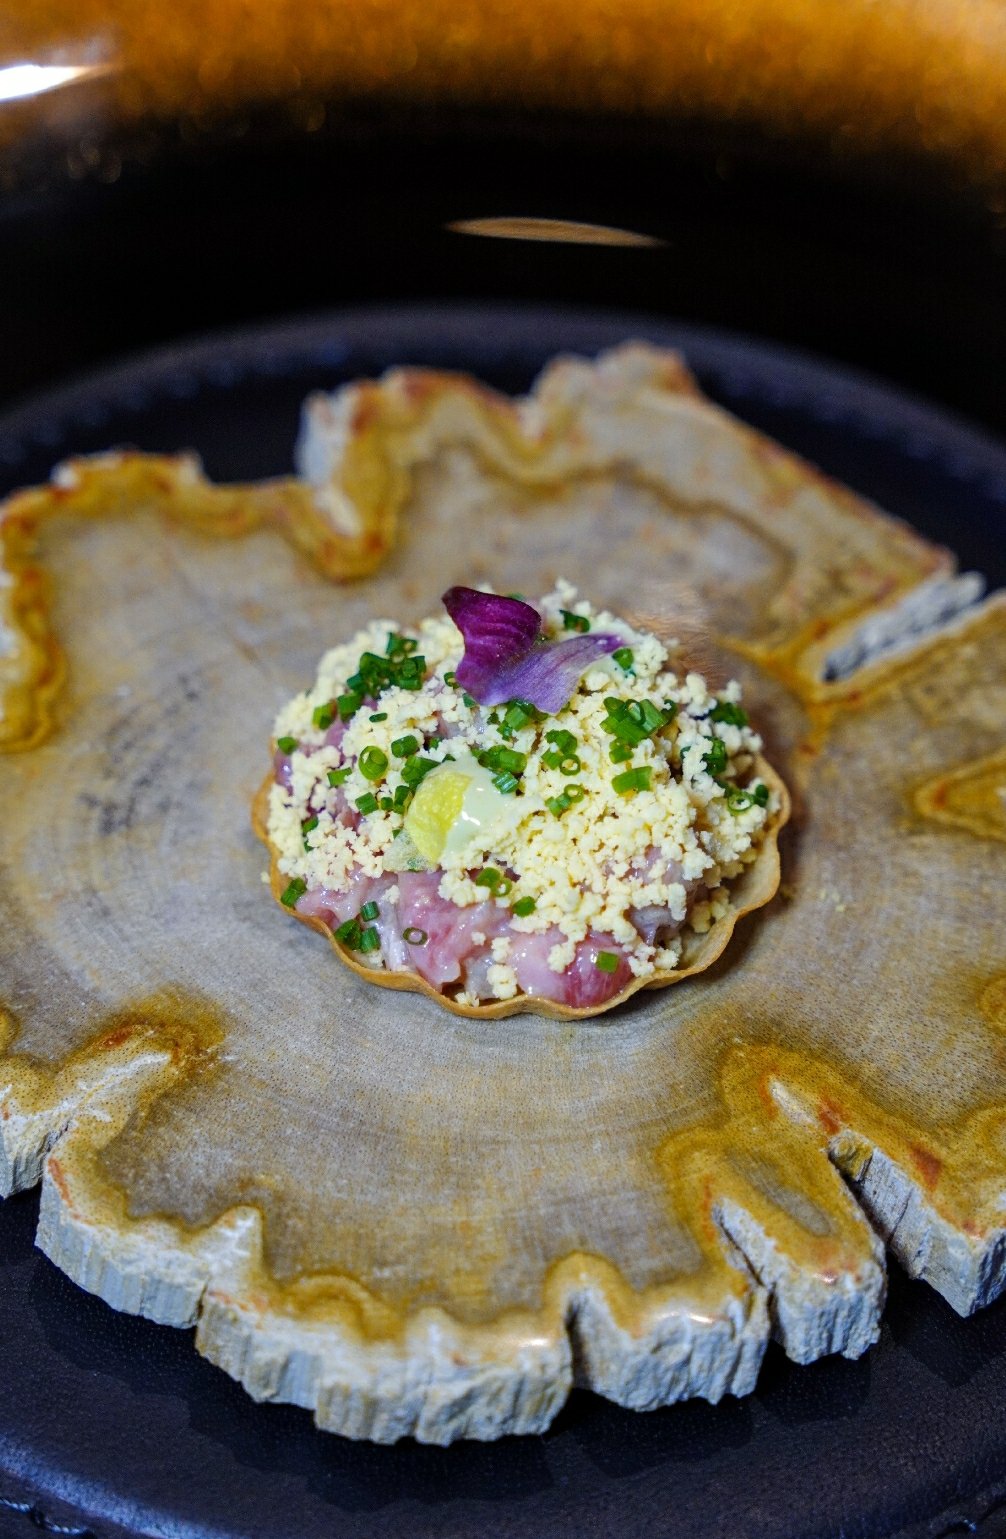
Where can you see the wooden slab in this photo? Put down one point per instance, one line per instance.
(419, 1224)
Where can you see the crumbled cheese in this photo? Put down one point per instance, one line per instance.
(589, 869)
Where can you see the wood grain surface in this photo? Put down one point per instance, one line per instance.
(420, 1224)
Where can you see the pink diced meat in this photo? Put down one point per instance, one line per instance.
(281, 770)
(583, 983)
(449, 929)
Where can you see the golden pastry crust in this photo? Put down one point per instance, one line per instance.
(754, 890)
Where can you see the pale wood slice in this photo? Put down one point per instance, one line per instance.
(419, 1224)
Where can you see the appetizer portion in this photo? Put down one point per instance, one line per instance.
(519, 803)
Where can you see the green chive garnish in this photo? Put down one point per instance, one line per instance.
(402, 747)
(572, 622)
(570, 765)
(414, 936)
(367, 802)
(416, 768)
(379, 716)
(606, 961)
(760, 794)
(340, 776)
(469, 701)
(523, 907)
(369, 940)
(373, 764)
(500, 758)
(517, 715)
(489, 877)
(715, 759)
(347, 705)
(323, 716)
(620, 753)
(349, 933)
(450, 678)
(633, 780)
(733, 715)
(296, 889)
(505, 782)
(369, 910)
(286, 744)
(563, 740)
(623, 657)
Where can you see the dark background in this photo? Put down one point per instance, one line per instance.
(891, 264)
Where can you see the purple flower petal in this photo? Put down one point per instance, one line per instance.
(505, 657)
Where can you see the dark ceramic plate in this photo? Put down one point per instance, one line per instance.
(111, 1426)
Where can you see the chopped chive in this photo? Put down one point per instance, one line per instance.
(369, 940)
(386, 804)
(500, 758)
(469, 702)
(489, 877)
(504, 888)
(347, 705)
(760, 794)
(623, 657)
(349, 933)
(367, 802)
(651, 715)
(570, 765)
(574, 793)
(557, 805)
(715, 759)
(619, 753)
(563, 740)
(379, 716)
(416, 768)
(323, 716)
(402, 747)
(633, 780)
(517, 715)
(370, 910)
(286, 744)
(523, 907)
(738, 801)
(414, 936)
(373, 763)
(450, 678)
(573, 622)
(552, 759)
(505, 782)
(309, 824)
(726, 711)
(340, 776)
(399, 646)
(296, 889)
(403, 795)
(606, 961)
